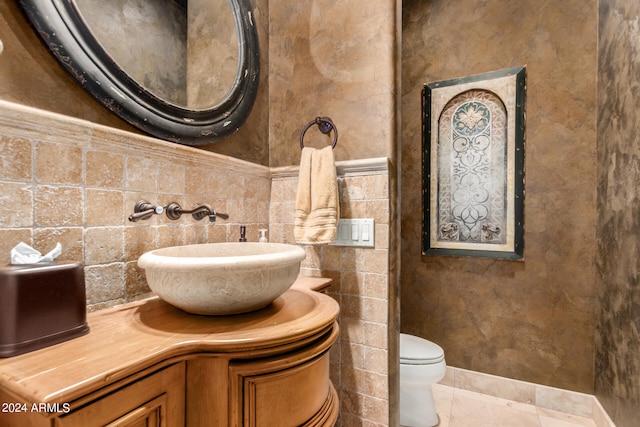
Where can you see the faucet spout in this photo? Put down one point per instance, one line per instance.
(198, 212)
(214, 214)
(221, 215)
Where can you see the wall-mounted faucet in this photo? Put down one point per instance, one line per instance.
(145, 210)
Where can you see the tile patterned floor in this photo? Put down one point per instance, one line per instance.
(458, 407)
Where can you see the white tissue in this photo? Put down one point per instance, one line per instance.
(25, 254)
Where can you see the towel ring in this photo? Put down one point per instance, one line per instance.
(325, 125)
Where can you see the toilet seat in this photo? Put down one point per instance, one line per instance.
(418, 351)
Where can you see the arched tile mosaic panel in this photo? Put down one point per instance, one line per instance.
(474, 165)
(472, 154)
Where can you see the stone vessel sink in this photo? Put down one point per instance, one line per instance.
(222, 278)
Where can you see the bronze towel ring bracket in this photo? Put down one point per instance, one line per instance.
(325, 125)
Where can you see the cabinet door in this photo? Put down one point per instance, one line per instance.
(289, 390)
(157, 400)
(290, 397)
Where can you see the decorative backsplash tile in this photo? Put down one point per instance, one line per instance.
(71, 181)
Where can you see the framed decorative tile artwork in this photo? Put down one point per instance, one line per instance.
(473, 165)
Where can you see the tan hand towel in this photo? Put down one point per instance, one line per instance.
(317, 202)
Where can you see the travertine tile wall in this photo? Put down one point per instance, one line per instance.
(70, 181)
(361, 360)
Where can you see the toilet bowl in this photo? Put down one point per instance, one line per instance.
(421, 364)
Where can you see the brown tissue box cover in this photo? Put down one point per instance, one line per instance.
(41, 305)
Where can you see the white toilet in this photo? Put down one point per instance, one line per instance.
(421, 364)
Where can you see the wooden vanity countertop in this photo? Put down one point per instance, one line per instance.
(127, 339)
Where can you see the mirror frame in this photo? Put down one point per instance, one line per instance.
(60, 26)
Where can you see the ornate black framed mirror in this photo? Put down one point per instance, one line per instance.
(69, 28)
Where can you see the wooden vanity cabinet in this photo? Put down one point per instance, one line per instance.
(210, 390)
(150, 364)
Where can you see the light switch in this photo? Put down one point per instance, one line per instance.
(344, 231)
(355, 232)
(365, 233)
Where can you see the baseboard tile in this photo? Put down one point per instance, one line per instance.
(570, 402)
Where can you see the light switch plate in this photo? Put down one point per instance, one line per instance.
(355, 232)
